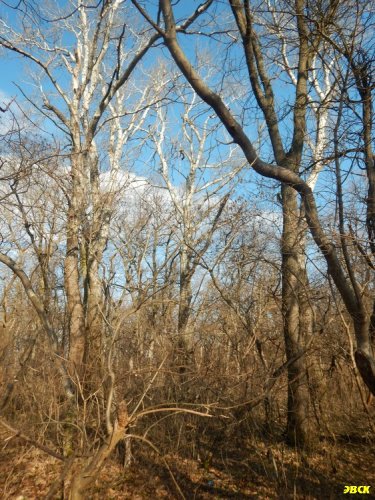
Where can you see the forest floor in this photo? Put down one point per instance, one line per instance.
(247, 469)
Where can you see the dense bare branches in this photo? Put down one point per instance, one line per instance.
(150, 276)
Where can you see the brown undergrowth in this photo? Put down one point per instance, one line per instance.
(238, 469)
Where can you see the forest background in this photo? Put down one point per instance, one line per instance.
(187, 247)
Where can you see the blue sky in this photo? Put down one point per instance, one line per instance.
(15, 71)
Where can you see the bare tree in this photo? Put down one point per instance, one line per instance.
(96, 68)
(198, 187)
(286, 170)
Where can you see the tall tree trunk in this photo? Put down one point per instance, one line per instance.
(95, 236)
(94, 322)
(370, 170)
(72, 273)
(296, 324)
(184, 310)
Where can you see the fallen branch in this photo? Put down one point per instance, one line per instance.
(18, 434)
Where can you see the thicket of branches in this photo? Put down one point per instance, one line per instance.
(187, 225)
